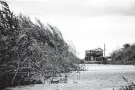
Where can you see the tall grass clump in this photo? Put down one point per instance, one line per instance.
(128, 87)
(131, 85)
(31, 52)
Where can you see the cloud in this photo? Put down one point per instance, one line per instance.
(75, 7)
(115, 24)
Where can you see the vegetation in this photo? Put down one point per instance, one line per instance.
(131, 86)
(31, 52)
(125, 55)
(128, 87)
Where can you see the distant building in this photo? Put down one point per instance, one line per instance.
(94, 55)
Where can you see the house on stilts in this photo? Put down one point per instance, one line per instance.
(94, 56)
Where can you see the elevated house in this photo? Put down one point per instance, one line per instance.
(95, 55)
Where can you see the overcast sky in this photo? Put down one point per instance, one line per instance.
(88, 24)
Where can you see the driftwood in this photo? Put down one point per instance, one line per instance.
(54, 81)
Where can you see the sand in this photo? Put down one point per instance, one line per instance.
(97, 77)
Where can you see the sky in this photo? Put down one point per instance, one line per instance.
(86, 24)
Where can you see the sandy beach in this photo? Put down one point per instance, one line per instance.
(97, 77)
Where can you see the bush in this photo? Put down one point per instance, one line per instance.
(125, 55)
(31, 52)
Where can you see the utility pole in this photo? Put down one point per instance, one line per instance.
(104, 49)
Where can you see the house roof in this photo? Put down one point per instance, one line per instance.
(98, 49)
